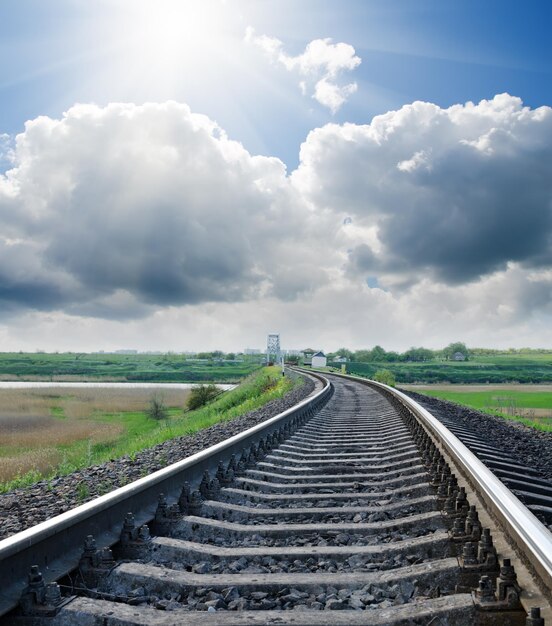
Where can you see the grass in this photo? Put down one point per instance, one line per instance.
(46, 433)
(531, 406)
(80, 367)
(498, 368)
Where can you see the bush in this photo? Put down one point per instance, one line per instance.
(157, 409)
(202, 394)
(386, 377)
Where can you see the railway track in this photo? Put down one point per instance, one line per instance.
(527, 483)
(356, 507)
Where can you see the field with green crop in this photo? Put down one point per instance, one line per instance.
(47, 432)
(500, 368)
(121, 367)
(529, 404)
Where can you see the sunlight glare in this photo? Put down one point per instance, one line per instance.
(176, 31)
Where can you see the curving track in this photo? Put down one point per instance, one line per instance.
(358, 515)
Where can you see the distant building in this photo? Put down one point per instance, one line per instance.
(319, 359)
(340, 359)
(458, 356)
(307, 355)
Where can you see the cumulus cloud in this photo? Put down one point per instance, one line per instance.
(319, 66)
(150, 215)
(453, 194)
(150, 205)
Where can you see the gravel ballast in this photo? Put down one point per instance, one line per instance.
(22, 508)
(523, 444)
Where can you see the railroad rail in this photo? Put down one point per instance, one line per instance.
(356, 506)
(527, 483)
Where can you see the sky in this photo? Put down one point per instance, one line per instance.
(195, 174)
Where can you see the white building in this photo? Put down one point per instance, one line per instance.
(319, 359)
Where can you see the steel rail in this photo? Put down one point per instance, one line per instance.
(56, 544)
(532, 538)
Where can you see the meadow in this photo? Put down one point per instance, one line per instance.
(49, 432)
(72, 367)
(528, 404)
(492, 369)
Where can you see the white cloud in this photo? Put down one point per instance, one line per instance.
(418, 159)
(331, 95)
(146, 226)
(320, 66)
(497, 311)
(148, 204)
(455, 194)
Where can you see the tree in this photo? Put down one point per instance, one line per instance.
(344, 352)
(363, 356)
(202, 394)
(453, 348)
(157, 409)
(377, 354)
(418, 354)
(385, 376)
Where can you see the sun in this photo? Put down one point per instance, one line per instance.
(166, 27)
(167, 40)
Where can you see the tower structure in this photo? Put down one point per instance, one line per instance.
(273, 349)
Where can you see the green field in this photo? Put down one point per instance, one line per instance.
(529, 404)
(499, 368)
(48, 432)
(117, 367)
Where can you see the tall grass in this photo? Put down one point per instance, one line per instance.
(42, 429)
(50, 431)
(254, 392)
(99, 425)
(83, 402)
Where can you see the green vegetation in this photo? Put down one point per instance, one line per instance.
(385, 376)
(34, 448)
(201, 395)
(157, 409)
(209, 366)
(378, 355)
(479, 369)
(453, 349)
(531, 406)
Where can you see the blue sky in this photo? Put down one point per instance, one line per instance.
(194, 174)
(56, 54)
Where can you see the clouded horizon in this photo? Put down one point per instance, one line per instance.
(152, 226)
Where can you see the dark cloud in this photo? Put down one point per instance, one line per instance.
(122, 211)
(152, 201)
(456, 194)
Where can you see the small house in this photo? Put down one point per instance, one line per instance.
(307, 355)
(319, 359)
(458, 356)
